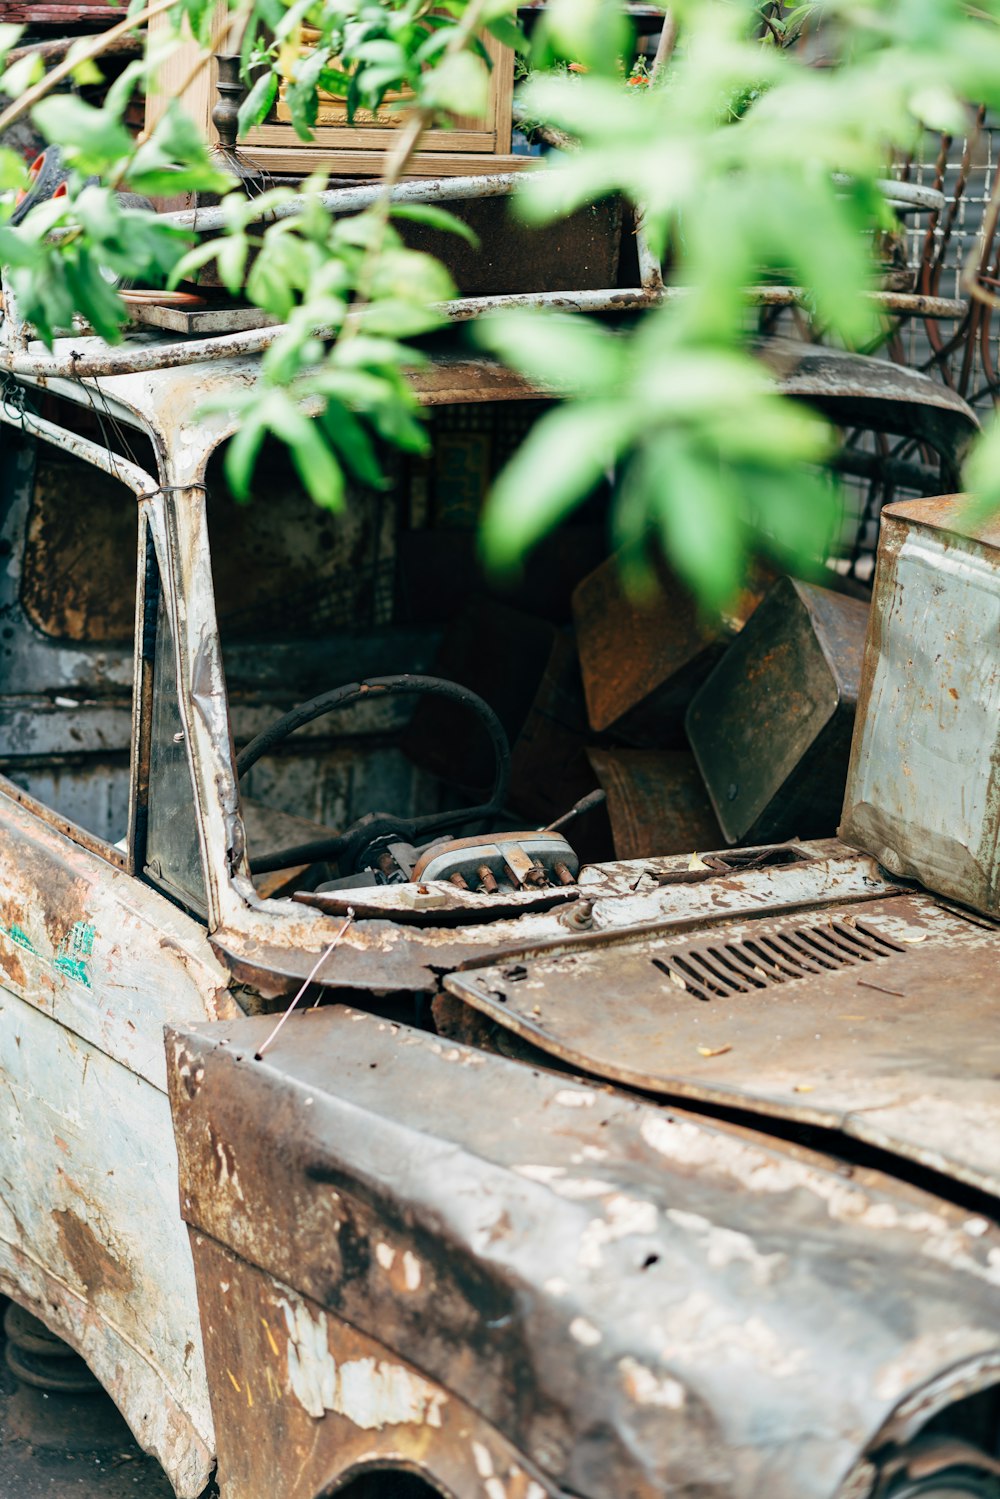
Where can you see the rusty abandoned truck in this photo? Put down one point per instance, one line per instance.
(662, 1176)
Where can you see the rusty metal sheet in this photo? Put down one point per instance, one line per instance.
(92, 965)
(633, 876)
(657, 802)
(643, 658)
(922, 791)
(339, 1402)
(387, 957)
(89, 1236)
(637, 1301)
(800, 1016)
(434, 903)
(580, 253)
(771, 726)
(856, 390)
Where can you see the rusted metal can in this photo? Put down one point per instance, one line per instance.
(771, 727)
(657, 802)
(923, 793)
(642, 659)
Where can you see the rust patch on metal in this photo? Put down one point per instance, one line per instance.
(97, 1268)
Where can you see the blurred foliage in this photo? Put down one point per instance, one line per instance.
(752, 149)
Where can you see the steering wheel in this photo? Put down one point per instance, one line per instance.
(350, 845)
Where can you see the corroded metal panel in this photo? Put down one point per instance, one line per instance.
(923, 793)
(657, 802)
(92, 965)
(386, 956)
(809, 1015)
(89, 1234)
(638, 1301)
(771, 726)
(338, 1402)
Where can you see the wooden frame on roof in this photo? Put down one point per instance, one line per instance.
(345, 150)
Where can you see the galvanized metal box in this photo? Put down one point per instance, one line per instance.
(771, 727)
(923, 792)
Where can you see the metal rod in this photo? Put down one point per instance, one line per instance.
(353, 199)
(133, 361)
(159, 356)
(624, 299)
(912, 304)
(130, 474)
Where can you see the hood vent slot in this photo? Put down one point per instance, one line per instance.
(717, 970)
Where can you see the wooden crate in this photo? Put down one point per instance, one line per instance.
(354, 151)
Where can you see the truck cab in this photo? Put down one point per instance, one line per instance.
(562, 1175)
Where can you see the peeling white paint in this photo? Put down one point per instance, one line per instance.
(756, 1170)
(584, 1332)
(723, 1246)
(412, 1273)
(228, 1175)
(581, 1188)
(483, 1459)
(647, 1388)
(371, 1393)
(544, 1174)
(623, 1216)
(703, 1329)
(575, 1098)
(386, 1255)
(927, 1356)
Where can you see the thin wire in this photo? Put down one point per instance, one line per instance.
(117, 430)
(151, 494)
(316, 968)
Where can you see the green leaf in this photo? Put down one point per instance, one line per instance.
(317, 467)
(696, 503)
(508, 34)
(88, 137)
(436, 218)
(595, 33)
(353, 443)
(410, 275)
(398, 319)
(560, 463)
(558, 350)
(460, 85)
(12, 170)
(22, 75)
(10, 35)
(192, 262)
(258, 102)
(242, 453)
(303, 104)
(94, 297)
(231, 259)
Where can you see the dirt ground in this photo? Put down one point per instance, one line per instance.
(29, 1471)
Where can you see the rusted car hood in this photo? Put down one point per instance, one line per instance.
(642, 1302)
(876, 1019)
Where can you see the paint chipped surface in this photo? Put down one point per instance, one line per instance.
(584, 1332)
(623, 1216)
(371, 1393)
(647, 1388)
(725, 1246)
